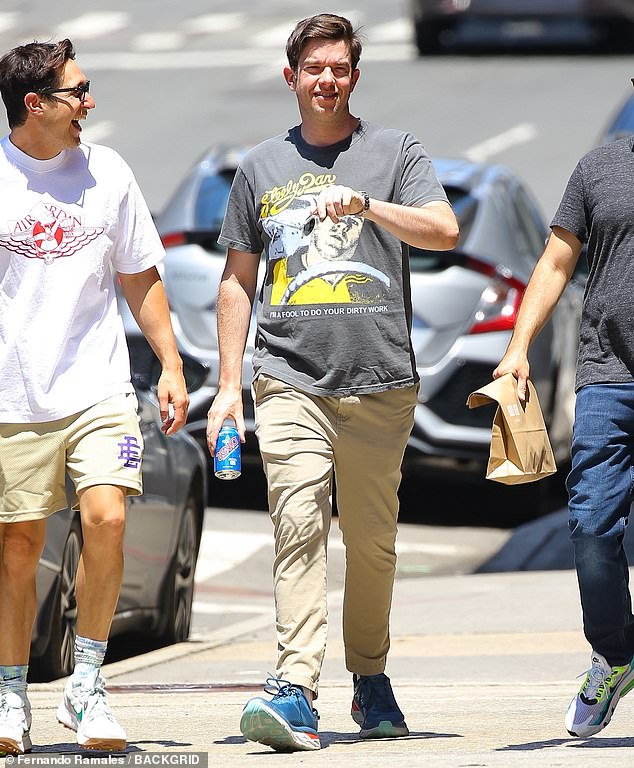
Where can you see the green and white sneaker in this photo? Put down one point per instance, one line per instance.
(591, 709)
(85, 710)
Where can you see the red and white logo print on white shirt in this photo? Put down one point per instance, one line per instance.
(48, 233)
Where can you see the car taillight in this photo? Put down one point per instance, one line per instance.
(500, 301)
(173, 238)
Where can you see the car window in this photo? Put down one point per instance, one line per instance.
(530, 231)
(211, 202)
(465, 207)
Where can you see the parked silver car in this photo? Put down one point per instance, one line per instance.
(464, 304)
(621, 124)
(441, 25)
(162, 538)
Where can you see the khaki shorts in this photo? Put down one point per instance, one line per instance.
(99, 446)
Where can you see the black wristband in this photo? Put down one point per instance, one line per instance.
(366, 202)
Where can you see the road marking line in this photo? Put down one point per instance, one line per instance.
(218, 59)
(159, 41)
(200, 606)
(273, 36)
(211, 23)
(221, 551)
(397, 31)
(91, 25)
(8, 20)
(520, 134)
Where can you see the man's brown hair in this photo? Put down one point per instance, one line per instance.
(31, 68)
(324, 26)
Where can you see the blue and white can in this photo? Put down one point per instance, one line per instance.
(227, 460)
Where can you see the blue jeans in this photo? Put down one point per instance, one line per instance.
(600, 487)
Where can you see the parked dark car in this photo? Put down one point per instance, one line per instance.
(442, 25)
(464, 304)
(162, 539)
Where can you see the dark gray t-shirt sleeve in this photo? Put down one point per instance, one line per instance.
(418, 183)
(572, 214)
(240, 226)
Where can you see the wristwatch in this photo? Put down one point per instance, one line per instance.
(366, 202)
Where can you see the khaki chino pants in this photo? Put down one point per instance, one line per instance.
(302, 439)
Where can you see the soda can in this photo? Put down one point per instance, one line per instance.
(227, 461)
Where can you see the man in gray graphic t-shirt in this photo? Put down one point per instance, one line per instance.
(598, 209)
(332, 203)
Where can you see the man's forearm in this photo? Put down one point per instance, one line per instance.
(540, 299)
(432, 226)
(146, 298)
(233, 316)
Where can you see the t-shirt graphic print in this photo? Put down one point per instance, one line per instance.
(48, 232)
(313, 261)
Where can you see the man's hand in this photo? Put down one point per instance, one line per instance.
(337, 201)
(517, 364)
(172, 391)
(226, 405)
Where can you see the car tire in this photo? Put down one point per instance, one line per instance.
(58, 657)
(178, 593)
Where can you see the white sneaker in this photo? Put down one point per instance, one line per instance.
(15, 724)
(85, 710)
(592, 708)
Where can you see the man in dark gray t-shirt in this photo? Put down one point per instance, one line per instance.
(332, 203)
(597, 209)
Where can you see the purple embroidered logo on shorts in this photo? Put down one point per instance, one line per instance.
(130, 451)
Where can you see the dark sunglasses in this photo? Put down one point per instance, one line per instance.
(78, 91)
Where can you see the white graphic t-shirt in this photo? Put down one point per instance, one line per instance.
(65, 225)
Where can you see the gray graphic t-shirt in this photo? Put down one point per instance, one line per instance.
(334, 312)
(598, 208)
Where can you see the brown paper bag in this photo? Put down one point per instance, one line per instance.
(520, 448)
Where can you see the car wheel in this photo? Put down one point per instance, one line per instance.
(58, 657)
(179, 589)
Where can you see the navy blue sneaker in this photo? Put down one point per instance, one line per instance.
(374, 708)
(287, 722)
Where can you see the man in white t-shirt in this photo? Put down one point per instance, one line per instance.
(71, 216)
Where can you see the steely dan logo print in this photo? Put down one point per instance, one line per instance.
(313, 261)
(48, 232)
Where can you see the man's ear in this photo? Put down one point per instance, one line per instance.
(289, 76)
(33, 103)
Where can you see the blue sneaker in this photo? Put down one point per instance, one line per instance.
(374, 708)
(591, 709)
(287, 722)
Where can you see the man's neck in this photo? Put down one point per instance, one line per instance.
(32, 145)
(324, 134)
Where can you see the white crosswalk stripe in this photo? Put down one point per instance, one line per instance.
(246, 35)
(214, 23)
(91, 25)
(8, 20)
(220, 551)
(159, 41)
(397, 31)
